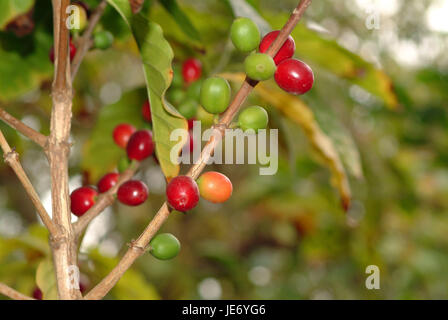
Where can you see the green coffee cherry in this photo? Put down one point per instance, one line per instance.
(176, 96)
(259, 66)
(194, 90)
(164, 246)
(188, 108)
(123, 164)
(215, 95)
(255, 118)
(245, 34)
(103, 39)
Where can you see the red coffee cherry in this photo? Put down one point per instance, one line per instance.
(285, 52)
(132, 193)
(191, 123)
(146, 111)
(191, 70)
(82, 286)
(182, 193)
(140, 145)
(82, 199)
(37, 294)
(191, 138)
(72, 49)
(107, 182)
(122, 133)
(294, 76)
(215, 187)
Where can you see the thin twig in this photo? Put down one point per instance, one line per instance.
(85, 41)
(13, 294)
(138, 247)
(18, 125)
(11, 157)
(104, 200)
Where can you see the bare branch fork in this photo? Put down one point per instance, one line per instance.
(104, 200)
(19, 126)
(138, 247)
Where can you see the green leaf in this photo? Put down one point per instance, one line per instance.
(100, 153)
(10, 9)
(157, 57)
(24, 63)
(181, 19)
(46, 280)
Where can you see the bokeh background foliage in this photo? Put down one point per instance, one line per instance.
(373, 130)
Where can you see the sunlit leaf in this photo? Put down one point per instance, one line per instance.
(157, 57)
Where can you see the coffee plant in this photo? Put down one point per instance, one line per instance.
(108, 95)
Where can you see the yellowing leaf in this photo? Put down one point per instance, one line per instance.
(296, 110)
(46, 280)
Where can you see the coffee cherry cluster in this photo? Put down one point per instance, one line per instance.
(139, 146)
(182, 192)
(185, 88)
(184, 92)
(102, 39)
(293, 76)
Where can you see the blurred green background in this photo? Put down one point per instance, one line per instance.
(380, 98)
